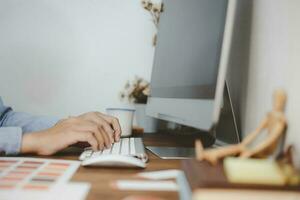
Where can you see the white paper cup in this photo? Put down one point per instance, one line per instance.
(125, 117)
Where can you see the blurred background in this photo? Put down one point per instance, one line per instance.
(66, 57)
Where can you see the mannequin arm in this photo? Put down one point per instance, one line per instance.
(278, 131)
(249, 138)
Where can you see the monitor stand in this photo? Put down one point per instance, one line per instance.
(223, 134)
(173, 152)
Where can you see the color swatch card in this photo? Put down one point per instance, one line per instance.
(17, 173)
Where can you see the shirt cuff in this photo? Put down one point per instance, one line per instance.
(11, 139)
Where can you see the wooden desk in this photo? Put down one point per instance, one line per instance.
(100, 178)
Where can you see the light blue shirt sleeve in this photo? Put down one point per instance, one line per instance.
(14, 124)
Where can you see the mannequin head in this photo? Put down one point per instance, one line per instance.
(279, 100)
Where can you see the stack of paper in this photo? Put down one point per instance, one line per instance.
(235, 194)
(253, 171)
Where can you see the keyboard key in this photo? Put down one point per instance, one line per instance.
(125, 146)
(132, 146)
(86, 154)
(116, 148)
(106, 151)
(93, 155)
(97, 153)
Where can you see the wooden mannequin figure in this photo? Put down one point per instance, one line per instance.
(274, 124)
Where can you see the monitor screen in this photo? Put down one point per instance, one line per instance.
(190, 62)
(188, 49)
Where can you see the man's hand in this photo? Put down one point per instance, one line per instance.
(97, 129)
(107, 123)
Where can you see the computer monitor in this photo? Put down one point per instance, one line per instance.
(190, 62)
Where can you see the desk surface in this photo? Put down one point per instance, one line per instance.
(100, 178)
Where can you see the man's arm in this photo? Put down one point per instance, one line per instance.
(10, 137)
(46, 136)
(27, 122)
(14, 124)
(10, 140)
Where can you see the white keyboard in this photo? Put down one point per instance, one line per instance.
(128, 152)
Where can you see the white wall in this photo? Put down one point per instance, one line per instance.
(273, 61)
(64, 57)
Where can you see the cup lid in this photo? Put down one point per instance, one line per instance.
(123, 109)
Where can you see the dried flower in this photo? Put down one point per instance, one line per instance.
(122, 95)
(155, 9)
(127, 85)
(146, 91)
(147, 4)
(137, 91)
